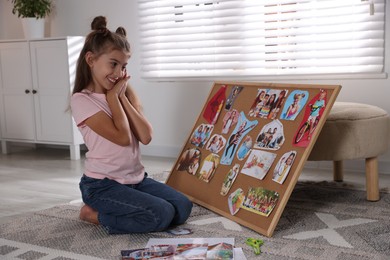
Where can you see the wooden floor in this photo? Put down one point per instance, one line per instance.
(35, 179)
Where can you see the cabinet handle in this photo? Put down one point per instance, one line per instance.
(27, 91)
(34, 91)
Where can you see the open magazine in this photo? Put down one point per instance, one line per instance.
(185, 248)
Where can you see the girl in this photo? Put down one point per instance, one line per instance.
(115, 188)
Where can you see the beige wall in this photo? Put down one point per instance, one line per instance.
(173, 107)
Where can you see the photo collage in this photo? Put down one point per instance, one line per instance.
(181, 252)
(256, 138)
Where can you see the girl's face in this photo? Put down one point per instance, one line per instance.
(262, 94)
(107, 69)
(290, 159)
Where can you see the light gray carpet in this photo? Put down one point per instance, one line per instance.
(319, 222)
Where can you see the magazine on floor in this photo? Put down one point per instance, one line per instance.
(186, 248)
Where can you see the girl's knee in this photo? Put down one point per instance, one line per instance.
(184, 208)
(163, 217)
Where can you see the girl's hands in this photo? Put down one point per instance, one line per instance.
(120, 86)
(123, 88)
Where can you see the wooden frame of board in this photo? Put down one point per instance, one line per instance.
(245, 152)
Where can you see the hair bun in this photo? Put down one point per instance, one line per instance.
(99, 23)
(120, 30)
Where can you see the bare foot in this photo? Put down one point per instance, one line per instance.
(89, 214)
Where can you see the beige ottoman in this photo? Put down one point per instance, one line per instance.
(354, 131)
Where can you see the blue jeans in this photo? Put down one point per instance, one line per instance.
(136, 208)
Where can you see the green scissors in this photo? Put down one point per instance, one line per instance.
(255, 244)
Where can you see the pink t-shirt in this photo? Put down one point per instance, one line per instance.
(104, 158)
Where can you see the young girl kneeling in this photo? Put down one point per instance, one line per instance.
(115, 188)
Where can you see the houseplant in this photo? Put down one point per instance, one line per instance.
(33, 14)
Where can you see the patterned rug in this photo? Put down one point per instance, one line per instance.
(319, 222)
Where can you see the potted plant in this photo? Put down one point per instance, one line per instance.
(33, 14)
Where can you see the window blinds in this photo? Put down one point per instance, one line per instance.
(216, 38)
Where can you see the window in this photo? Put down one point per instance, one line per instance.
(246, 38)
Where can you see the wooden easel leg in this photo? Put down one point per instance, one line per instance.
(338, 171)
(372, 179)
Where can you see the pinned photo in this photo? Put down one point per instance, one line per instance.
(232, 97)
(265, 101)
(258, 164)
(201, 135)
(235, 201)
(189, 161)
(259, 102)
(278, 104)
(229, 179)
(260, 201)
(216, 143)
(243, 127)
(245, 148)
(294, 104)
(313, 113)
(214, 106)
(209, 165)
(230, 120)
(283, 167)
(271, 136)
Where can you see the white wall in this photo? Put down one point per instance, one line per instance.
(173, 107)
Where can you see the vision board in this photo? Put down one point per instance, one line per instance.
(248, 146)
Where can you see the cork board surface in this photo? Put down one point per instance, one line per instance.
(245, 152)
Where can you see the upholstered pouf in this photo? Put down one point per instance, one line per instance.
(354, 131)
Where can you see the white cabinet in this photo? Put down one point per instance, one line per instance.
(36, 81)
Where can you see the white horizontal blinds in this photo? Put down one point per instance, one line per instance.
(207, 38)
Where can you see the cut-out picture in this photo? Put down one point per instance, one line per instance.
(229, 120)
(232, 97)
(245, 148)
(201, 134)
(191, 251)
(258, 164)
(179, 231)
(154, 252)
(189, 161)
(269, 104)
(216, 143)
(229, 179)
(260, 201)
(283, 167)
(265, 102)
(271, 136)
(235, 201)
(209, 165)
(258, 103)
(313, 113)
(220, 251)
(243, 127)
(214, 106)
(278, 104)
(294, 104)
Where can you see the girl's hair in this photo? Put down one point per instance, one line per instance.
(99, 41)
